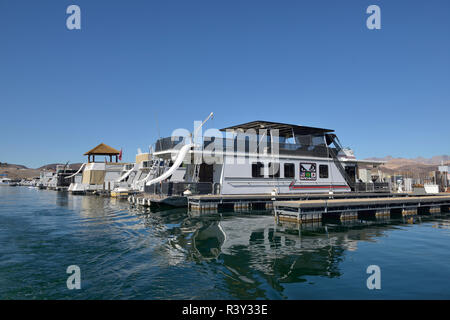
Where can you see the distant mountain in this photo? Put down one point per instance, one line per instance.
(52, 166)
(416, 166)
(17, 171)
(434, 161)
(9, 165)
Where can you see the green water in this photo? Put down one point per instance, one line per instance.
(127, 253)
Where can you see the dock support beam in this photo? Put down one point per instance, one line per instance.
(350, 215)
(206, 207)
(409, 211)
(382, 214)
(435, 209)
(301, 219)
(242, 206)
(269, 205)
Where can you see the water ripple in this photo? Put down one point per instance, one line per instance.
(130, 253)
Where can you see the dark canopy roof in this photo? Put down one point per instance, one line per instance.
(285, 130)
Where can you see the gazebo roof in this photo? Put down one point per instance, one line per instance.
(102, 150)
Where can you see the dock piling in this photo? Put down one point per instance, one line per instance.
(350, 215)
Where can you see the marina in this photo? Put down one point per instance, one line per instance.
(297, 173)
(258, 210)
(246, 151)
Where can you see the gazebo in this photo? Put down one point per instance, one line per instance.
(102, 150)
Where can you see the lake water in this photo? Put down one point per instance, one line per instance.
(128, 253)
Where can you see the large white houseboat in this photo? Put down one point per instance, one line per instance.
(256, 158)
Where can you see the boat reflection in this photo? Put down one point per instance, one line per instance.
(253, 255)
(251, 249)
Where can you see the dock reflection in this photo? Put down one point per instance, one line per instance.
(252, 248)
(252, 254)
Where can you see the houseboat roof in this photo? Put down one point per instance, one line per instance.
(285, 130)
(102, 150)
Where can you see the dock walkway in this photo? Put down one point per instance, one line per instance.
(244, 202)
(306, 207)
(314, 210)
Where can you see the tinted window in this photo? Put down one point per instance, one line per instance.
(274, 170)
(323, 171)
(257, 170)
(289, 170)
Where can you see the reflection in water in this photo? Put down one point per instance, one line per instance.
(62, 199)
(254, 255)
(130, 253)
(442, 225)
(253, 249)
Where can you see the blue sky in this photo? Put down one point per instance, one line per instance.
(136, 66)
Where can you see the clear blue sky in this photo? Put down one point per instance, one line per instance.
(385, 92)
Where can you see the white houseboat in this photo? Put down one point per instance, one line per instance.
(258, 158)
(97, 176)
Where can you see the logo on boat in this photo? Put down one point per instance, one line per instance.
(308, 171)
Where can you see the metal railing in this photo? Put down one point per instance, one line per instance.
(371, 187)
(178, 188)
(223, 144)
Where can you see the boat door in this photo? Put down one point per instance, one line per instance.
(206, 173)
(351, 173)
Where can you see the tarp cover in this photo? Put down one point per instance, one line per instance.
(93, 177)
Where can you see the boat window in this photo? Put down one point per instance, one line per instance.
(289, 170)
(274, 170)
(318, 140)
(257, 170)
(323, 171)
(303, 140)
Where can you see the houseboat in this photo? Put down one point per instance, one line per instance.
(45, 178)
(58, 181)
(5, 181)
(97, 176)
(258, 158)
(147, 166)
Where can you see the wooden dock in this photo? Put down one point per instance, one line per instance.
(306, 207)
(250, 201)
(247, 202)
(344, 209)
